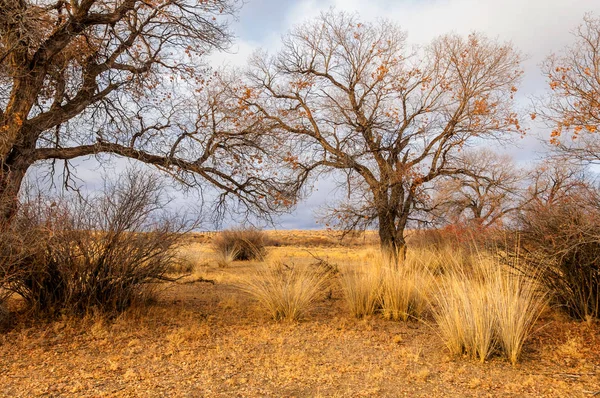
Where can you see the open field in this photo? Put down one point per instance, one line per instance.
(211, 339)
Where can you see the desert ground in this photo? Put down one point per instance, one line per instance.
(204, 337)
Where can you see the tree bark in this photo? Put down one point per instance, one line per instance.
(391, 238)
(11, 178)
(12, 173)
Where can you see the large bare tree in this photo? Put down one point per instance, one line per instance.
(572, 107)
(353, 97)
(127, 77)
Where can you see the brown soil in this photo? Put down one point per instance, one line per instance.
(203, 339)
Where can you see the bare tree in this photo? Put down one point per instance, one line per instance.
(127, 77)
(554, 181)
(352, 97)
(572, 107)
(485, 196)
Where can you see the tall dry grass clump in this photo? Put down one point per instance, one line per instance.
(405, 287)
(486, 307)
(362, 288)
(520, 301)
(398, 290)
(464, 315)
(239, 245)
(286, 292)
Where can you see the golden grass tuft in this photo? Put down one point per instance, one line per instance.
(362, 287)
(405, 289)
(519, 301)
(224, 258)
(464, 316)
(286, 292)
(486, 307)
(239, 245)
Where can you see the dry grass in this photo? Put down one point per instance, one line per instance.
(464, 316)
(183, 264)
(486, 307)
(203, 339)
(239, 245)
(405, 289)
(519, 301)
(362, 288)
(286, 292)
(225, 257)
(322, 238)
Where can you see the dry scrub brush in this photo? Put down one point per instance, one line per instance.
(17, 248)
(239, 245)
(562, 240)
(486, 307)
(99, 253)
(288, 292)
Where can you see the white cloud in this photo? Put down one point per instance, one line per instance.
(536, 27)
(236, 56)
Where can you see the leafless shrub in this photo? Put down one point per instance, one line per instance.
(20, 244)
(101, 253)
(239, 245)
(562, 242)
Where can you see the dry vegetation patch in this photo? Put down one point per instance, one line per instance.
(239, 245)
(204, 339)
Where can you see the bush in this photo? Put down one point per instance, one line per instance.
(21, 244)
(287, 292)
(3, 313)
(562, 242)
(239, 245)
(97, 254)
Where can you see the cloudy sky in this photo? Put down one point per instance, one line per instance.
(536, 27)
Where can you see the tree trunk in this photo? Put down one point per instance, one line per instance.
(391, 238)
(11, 177)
